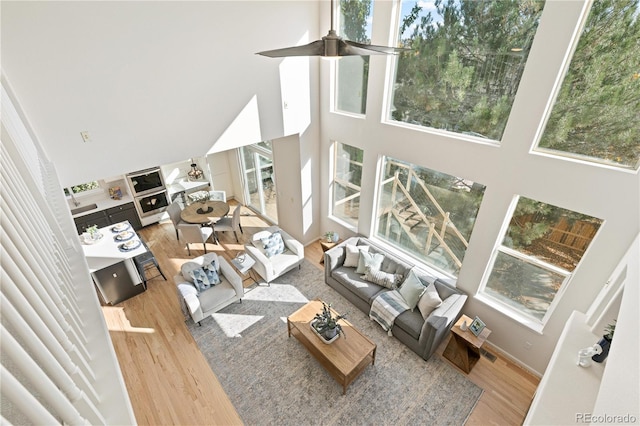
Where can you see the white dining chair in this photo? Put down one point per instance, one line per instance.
(230, 223)
(174, 211)
(196, 234)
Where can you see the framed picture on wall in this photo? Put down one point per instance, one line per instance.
(477, 326)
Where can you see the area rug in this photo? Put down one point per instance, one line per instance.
(272, 379)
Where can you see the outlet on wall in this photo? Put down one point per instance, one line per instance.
(85, 136)
(527, 345)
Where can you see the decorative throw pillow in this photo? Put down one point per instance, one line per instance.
(257, 238)
(352, 255)
(211, 272)
(429, 301)
(373, 260)
(186, 269)
(273, 245)
(384, 279)
(411, 289)
(200, 279)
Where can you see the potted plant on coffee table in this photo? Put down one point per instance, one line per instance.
(326, 324)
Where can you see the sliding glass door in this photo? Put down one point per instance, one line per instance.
(259, 179)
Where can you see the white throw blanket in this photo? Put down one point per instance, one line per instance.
(386, 307)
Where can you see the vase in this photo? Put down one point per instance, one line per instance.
(335, 237)
(330, 333)
(605, 344)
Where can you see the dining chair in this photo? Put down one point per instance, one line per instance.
(230, 223)
(192, 233)
(174, 210)
(218, 196)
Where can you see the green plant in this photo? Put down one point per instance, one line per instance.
(325, 321)
(328, 235)
(92, 230)
(609, 330)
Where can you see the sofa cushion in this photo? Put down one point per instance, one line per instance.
(411, 289)
(429, 301)
(373, 260)
(216, 295)
(411, 322)
(384, 279)
(352, 255)
(351, 280)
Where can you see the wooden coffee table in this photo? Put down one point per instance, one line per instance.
(345, 358)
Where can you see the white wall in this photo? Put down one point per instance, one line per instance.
(152, 82)
(507, 170)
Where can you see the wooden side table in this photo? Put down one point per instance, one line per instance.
(326, 245)
(463, 349)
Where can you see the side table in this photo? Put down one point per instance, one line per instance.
(243, 263)
(463, 349)
(327, 245)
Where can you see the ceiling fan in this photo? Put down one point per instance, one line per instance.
(333, 46)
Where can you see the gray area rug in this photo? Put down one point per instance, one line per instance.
(272, 379)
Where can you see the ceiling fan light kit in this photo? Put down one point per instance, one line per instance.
(333, 46)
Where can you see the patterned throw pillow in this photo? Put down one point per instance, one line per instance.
(200, 279)
(273, 245)
(384, 279)
(211, 272)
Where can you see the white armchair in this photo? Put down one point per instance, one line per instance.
(199, 306)
(270, 268)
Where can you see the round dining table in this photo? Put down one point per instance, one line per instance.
(206, 212)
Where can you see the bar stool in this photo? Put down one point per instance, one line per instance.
(145, 262)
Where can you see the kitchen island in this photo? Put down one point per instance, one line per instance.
(110, 258)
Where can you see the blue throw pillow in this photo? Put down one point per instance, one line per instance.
(273, 244)
(200, 279)
(212, 274)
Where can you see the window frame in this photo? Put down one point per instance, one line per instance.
(522, 317)
(334, 179)
(398, 249)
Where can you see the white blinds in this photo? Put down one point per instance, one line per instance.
(58, 365)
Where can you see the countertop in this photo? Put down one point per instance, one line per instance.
(102, 201)
(106, 252)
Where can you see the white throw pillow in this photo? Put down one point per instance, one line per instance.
(412, 289)
(352, 255)
(256, 239)
(429, 301)
(372, 260)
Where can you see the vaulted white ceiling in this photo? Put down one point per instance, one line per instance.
(151, 82)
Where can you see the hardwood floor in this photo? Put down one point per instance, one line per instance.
(170, 382)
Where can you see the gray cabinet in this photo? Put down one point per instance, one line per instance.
(109, 216)
(124, 212)
(98, 218)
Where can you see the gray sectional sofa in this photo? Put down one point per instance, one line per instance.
(420, 335)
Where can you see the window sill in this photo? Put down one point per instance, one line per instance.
(527, 322)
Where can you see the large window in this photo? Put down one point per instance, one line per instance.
(427, 213)
(542, 246)
(596, 112)
(352, 72)
(347, 175)
(465, 65)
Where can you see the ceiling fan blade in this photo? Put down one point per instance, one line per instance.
(381, 50)
(315, 48)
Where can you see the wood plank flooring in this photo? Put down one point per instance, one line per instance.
(170, 382)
